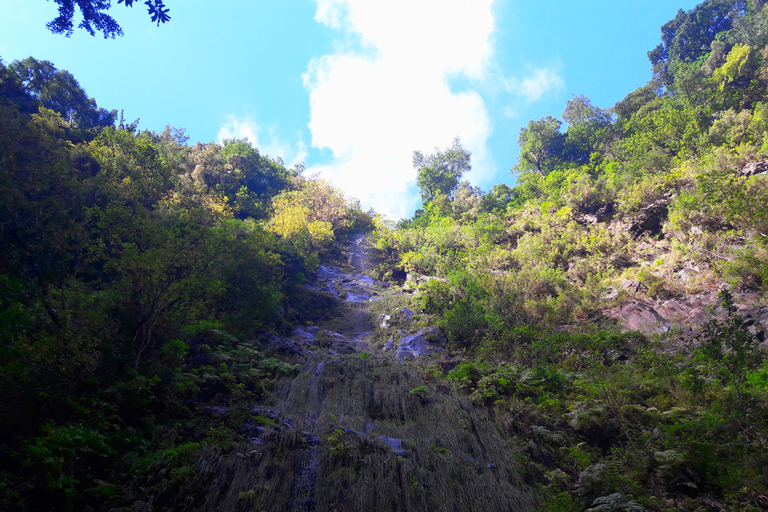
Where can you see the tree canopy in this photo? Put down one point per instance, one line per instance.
(95, 17)
(440, 171)
(59, 91)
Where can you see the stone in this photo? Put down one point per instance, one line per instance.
(633, 286)
(395, 444)
(334, 335)
(357, 298)
(649, 219)
(305, 333)
(285, 345)
(753, 168)
(638, 316)
(406, 315)
(594, 214)
(417, 345)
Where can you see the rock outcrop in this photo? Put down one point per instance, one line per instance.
(649, 219)
(420, 344)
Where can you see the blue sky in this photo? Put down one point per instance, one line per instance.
(353, 87)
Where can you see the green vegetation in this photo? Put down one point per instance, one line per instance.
(607, 213)
(144, 281)
(137, 276)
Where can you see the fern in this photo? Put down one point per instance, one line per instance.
(547, 435)
(614, 502)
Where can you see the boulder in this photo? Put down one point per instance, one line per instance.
(417, 345)
(639, 316)
(649, 219)
(753, 168)
(395, 444)
(406, 315)
(285, 345)
(633, 285)
(594, 214)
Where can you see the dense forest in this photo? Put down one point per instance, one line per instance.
(169, 313)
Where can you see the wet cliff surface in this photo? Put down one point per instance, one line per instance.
(366, 425)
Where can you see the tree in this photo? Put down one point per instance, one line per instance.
(541, 146)
(59, 91)
(689, 35)
(497, 199)
(95, 17)
(729, 344)
(588, 127)
(441, 171)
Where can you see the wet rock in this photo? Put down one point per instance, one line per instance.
(357, 298)
(357, 286)
(305, 333)
(285, 345)
(267, 413)
(334, 335)
(310, 438)
(358, 341)
(253, 430)
(364, 280)
(649, 219)
(417, 345)
(395, 444)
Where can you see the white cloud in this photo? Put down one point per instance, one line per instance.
(386, 92)
(268, 145)
(535, 84)
(539, 82)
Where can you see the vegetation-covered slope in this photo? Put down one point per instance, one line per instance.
(601, 321)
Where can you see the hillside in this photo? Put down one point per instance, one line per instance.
(199, 327)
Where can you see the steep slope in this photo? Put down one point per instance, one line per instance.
(364, 430)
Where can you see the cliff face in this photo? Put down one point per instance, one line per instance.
(369, 424)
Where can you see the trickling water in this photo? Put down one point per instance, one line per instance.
(350, 435)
